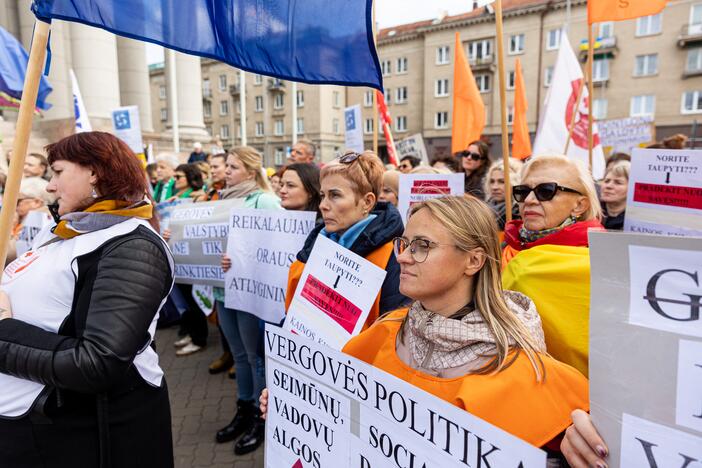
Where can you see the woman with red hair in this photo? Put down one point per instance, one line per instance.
(81, 385)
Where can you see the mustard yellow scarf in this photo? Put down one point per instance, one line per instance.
(101, 215)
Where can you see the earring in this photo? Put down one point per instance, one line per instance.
(94, 194)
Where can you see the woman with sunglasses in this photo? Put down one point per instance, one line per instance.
(188, 182)
(474, 164)
(464, 339)
(547, 256)
(353, 218)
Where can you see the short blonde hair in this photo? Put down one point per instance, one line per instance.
(583, 183)
(365, 173)
(515, 167)
(35, 187)
(619, 169)
(253, 162)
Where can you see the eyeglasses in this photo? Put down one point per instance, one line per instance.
(471, 155)
(179, 176)
(543, 192)
(419, 248)
(348, 157)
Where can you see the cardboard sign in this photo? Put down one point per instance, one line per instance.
(198, 239)
(126, 125)
(327, 409)
(413, 145)
(354, 129)
(646, 348)
(165, 209)
(665, 191)
(262, 245)
(624, 135)
(415, 188)
(34, 222)
(334, 296)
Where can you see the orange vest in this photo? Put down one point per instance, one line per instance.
(379, 257)
(512, 399)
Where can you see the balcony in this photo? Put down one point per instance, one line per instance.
(605, 48)
(207, 94)
(690, 34)
(484, 63)
(276, 85)
(234, 90)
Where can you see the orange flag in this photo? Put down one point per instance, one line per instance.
(521, 142)
(468, 106)
(619, 10)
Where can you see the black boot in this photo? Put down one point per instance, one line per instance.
(242, 421)
(253, 437)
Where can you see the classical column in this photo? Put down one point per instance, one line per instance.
(189, 95)
(94, 54)
(134, 79)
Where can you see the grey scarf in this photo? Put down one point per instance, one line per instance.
(240, 190)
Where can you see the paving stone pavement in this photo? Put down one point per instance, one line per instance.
(200, 405)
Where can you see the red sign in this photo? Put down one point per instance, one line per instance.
(431, 187)
(668, 195)
(336, 306)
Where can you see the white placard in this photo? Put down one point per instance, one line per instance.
(646, 444)
(327, 409)
(125, 122)
(354, 128)
(689, 395)
(642, 227)
(665, 290)
(413, 145)
(34, 222)
(203, 295)
(334, 296)
(623, 135)
(415, 188)
(262, 245)
(665, 189)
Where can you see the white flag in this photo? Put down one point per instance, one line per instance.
(560, 105)
(82, 122)
(479, 4)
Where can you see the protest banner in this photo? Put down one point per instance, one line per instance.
(203, 295)
(327, 409)
(665, 192)
(624, 135)
(646, 348)
(198, 238)
(413, 145)
(415, 188)
(262, 245)
(354, 132)
(125, 122)
(34, 222)
(165, 209)
(334, 296)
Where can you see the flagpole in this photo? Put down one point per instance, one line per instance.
(173, 94)
(242, 106)
(375, 98)
(294, 113)
(591, 75)
(23, 129)
(503, 109)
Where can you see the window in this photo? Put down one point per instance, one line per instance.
(441, 120)
(548, 76)
(600, 70)
(278, 127)
(646, 65)
(402, 65)
(695, 19)
(442, 55)
(483, 82)
(300, 99)
(279, 155)
(510, 115)
(336, 98)
(388, 95)
(368, 99)
(606, 30)
(553, 40)
(162, 92)
(599, 109)
(648, 25)
(300, 125)
(479, 50)
(223, 107)
(386, 67)
(441, 89)
(643, 106)
(206, 88)
(516, 44)
(511, 79)
(401, 124)
(258, 101)
(224, 132)
(401, 95)
(222, 82)
(164, 114)
(368, 126)
(692, 102)
(335, 127)
(207, 109)
(278, 101)
(694, 60)
(258, 79)
(208, 129)
(259, 129)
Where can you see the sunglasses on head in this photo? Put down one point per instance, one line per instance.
(543, 192)
(348, 157)
(471, 155)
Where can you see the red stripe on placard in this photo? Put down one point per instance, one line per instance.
(430, 183)
(668, 195)
(426, 190)
(336, 306)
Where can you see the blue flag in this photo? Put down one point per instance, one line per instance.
(13, 66)
(311, 41)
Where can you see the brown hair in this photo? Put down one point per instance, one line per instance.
(365, 173)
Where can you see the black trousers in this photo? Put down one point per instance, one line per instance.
(193, 322)
(139, 434)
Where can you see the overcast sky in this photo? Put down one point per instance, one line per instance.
(388, 13)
